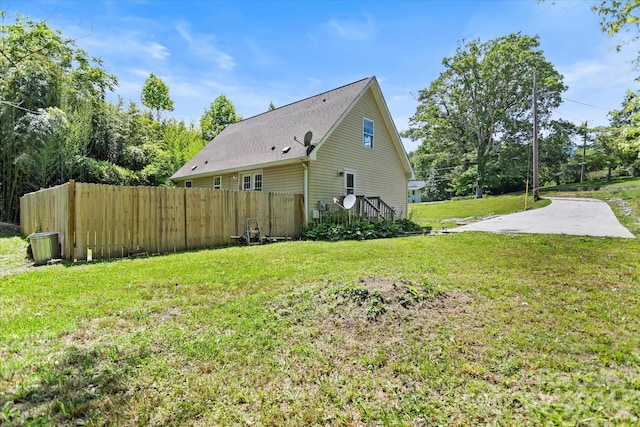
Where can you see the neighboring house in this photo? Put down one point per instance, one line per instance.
(415, 191)
(327, 146)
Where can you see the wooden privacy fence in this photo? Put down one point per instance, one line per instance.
(114, 222)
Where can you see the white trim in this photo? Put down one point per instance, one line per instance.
(218, 186)
(251, 174)
(373, 126)
(242, 169)
(348, 172)
(305, 189)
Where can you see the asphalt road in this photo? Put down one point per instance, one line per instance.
(573, 216)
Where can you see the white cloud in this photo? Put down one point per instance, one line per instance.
(597, 83)
(226, 62)
(582, 70)
(351, 30)
(314, 81)
(261, 56)
(204, 47)
(157, 51)
(220, 85)
(124, 44)
(138, 72)
(184, 33)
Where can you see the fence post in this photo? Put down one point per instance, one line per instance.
(186, 221)
(70, 238)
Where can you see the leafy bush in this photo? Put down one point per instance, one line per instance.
(406, 225)
(359, 230)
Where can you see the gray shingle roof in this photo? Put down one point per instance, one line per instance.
(416, 185)
(262, 139)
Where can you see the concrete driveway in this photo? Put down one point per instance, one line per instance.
(575, 216)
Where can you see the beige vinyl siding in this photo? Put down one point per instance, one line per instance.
(284, 179)
(204, 182)
(228, 183)
(379, 170)
(281, 179)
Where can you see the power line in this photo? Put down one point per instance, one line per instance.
(583, 103)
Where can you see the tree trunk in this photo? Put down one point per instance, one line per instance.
(609, 174)
(479, 188)
(480, 169)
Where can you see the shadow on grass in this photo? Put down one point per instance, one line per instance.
(80, 388)
(6, 234)
(79, 263)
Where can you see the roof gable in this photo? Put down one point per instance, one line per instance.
(263, 139)
(275, 137)
(386, 115)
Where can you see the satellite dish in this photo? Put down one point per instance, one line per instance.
(307, 138)
(349, 201)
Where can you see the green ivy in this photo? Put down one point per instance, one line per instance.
(360, 230)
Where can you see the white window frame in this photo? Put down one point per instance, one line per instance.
(251, 178)
(258, 183)
(346, 180)
(188, 184)
(365, 133)
(217, 186)
(245, 182)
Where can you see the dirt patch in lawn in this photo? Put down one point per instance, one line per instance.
(372, 302)
(377, 339)
(372, 316)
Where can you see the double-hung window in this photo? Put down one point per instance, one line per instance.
(246, 182)
(257, 182)
(349, 182)
(251, 181)
(217, 183)
(367, 133)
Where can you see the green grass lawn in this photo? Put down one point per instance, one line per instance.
(13, 251)
(452, 212)
(460, 329)
(596, 184)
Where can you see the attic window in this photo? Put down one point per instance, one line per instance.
(367, 133)
(286, 150)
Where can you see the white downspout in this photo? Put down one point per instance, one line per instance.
(306, 193)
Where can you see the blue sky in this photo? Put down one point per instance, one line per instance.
(257, 52)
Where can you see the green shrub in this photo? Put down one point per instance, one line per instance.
(359, 230)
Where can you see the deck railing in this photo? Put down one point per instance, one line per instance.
(366, 208)
(374, 208)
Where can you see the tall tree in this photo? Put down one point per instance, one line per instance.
(607, 149)
(625, 131)
(46, 80)
(483, 99)
(619, 15)
(155, 95)
(221, 113)
(627, 120)
(556, 147)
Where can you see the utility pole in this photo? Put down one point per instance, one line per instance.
(584, 153)
(536, 196)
